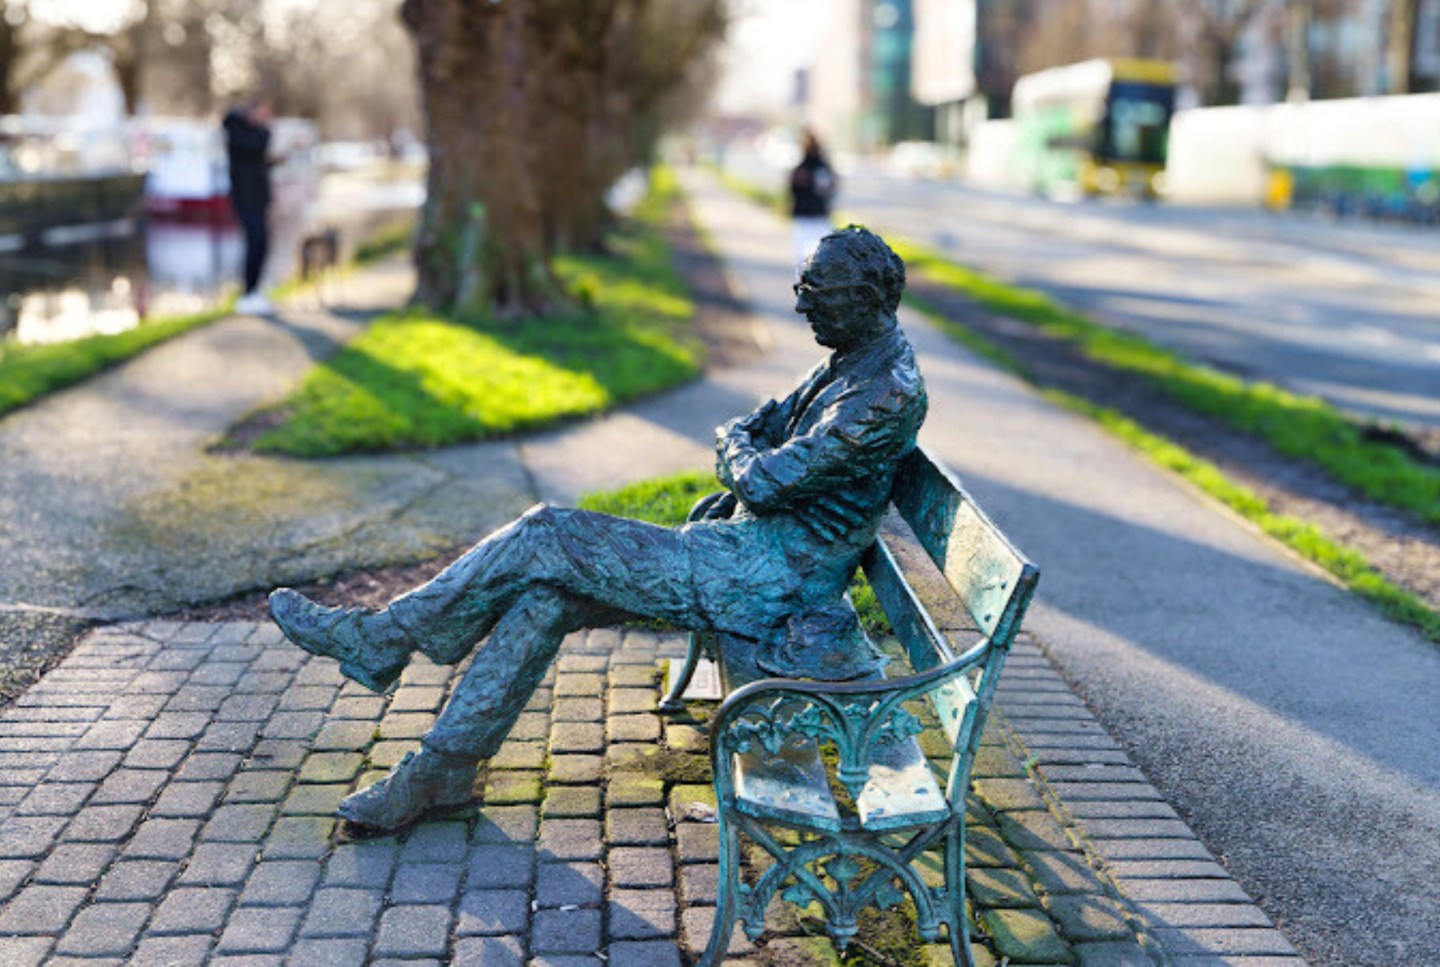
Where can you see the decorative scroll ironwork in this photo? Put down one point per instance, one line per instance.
(828, 871)
(854, 726)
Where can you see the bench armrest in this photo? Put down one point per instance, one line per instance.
(855, 716)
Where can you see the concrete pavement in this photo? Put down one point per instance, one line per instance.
(166, 792)
(114, 507)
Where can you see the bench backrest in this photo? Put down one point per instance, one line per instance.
(948, 575)
(993, 580)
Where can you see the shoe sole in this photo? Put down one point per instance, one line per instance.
(429, 812)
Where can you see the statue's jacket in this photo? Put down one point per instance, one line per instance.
(811, 476)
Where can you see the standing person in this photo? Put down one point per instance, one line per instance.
(247, 145)
(812, 187)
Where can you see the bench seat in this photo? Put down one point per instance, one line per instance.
(793, 787)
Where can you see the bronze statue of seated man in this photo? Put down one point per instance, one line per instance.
(768, 560)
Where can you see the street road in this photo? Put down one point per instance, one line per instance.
(1347, 311)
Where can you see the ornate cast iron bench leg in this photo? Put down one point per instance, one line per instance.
(674, 701)
(725, 909)
(959, 925)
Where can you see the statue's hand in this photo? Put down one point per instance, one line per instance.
(736, 431)
(757, 425)
(730, 438)
(832, 516)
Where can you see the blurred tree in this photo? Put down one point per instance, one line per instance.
(130, 50)
(1204, 35)
(30, 50)
(1212, 29)
(1207, 38)
(348, 64)
(1298, 16)
(1400, 46)
(533, 110)
(1064, 31)
(177, 72)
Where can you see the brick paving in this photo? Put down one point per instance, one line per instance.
(167, 798)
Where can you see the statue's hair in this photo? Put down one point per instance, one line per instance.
(876, 262)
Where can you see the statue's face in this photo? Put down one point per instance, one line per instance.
(840, 308)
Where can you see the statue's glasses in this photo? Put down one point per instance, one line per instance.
(810, 291)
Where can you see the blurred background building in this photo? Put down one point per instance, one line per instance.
(1265, 101)
(963, 57)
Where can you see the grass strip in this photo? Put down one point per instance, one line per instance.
(417, 379)
(770, 198)
(662, 500)
(1301, 427)
(1347, 565)
(28, 372)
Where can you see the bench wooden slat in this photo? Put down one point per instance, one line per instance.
(900, 790)
(980, 564)
(791, 787)
(924, 611)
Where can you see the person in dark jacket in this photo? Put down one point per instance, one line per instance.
(247, 145)
(812, 188)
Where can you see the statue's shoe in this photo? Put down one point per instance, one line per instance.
(421, 783)
(371, 647)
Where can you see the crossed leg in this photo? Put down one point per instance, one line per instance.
(480, 713)
(550, 572)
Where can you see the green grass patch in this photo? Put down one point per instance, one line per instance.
(772, 198)
(28, 372)
(1347, 565)
(663, 500)
(1298, 426)
(416, 379)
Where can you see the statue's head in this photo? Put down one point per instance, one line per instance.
(850, 288)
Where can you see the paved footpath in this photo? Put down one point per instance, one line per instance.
(167, 792)
(168, 795)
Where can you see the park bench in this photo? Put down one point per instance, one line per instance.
(828, 778)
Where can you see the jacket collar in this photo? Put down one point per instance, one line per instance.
(876, 347)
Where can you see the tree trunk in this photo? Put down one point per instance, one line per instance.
(481, 244)
(534, 108)
(9, 58)
(1297, 49)
(1400, 52)
(575, 68)
(126, 63)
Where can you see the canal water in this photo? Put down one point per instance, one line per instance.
(80, 280)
